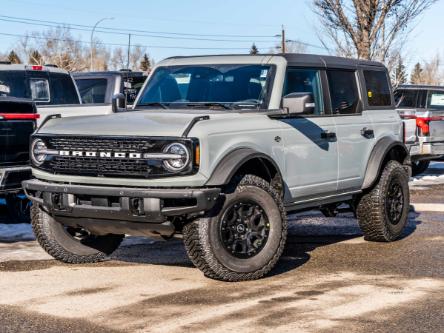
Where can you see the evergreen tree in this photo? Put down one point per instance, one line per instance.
(254, 49)
(399, 75)
(145, 63)
(417, 74)
(35, 58)
(14, 58)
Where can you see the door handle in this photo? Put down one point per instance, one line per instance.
(328, 135)
(367, 133)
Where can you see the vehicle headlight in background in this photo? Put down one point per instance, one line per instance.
(179, 163)
(38, 152)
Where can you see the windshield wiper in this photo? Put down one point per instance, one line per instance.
(209, 104)
(162, 105)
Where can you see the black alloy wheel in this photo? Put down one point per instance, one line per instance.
(394, 203)
(244, 229)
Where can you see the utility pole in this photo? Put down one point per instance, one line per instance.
(129, 48)
(283, 46)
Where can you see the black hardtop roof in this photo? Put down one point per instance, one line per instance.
(420, 87)
(301, 59)
(107, 73)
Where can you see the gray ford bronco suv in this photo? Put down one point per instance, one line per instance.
(219, 149)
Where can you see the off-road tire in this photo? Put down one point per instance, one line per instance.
(419, 167)
(204, 246)
(57, 242)
(371, 212)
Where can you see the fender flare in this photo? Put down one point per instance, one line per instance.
(377, 159)
(232, 162)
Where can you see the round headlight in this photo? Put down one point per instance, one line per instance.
(38, 152)
(180, 161)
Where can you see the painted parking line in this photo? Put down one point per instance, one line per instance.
(425, 207)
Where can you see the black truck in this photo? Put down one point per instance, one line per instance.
(17, 122)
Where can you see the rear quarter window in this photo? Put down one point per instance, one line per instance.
(63, 89)
(92, 90)
(378, 88)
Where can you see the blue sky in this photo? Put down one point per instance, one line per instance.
(227, 17)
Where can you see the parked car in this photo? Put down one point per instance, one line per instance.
(17, 122)
(52, 89)
(221, 150)
(422, 108)
(100, 87)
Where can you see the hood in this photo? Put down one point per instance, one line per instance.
(134, 123)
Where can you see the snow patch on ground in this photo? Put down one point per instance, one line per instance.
(16, 232)
(433, 176)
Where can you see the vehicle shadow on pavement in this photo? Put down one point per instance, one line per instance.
(306, 233)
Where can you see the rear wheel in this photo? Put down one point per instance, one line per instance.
(243, 238)
(419, 167)
(383, 212)
(71, 245)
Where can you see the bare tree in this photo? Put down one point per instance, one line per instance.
(399, 74)
(432, 73)
(369, 29)
(119, 58)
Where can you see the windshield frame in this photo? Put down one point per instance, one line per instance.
(183, 105)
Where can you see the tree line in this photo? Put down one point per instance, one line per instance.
(57, 46)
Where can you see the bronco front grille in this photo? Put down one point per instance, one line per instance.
(110, 166)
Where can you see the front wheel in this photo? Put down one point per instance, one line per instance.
(70, 245)
(383, 212)
(243, 238)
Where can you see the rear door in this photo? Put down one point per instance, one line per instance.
(355, 137)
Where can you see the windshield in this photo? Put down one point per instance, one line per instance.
(13, 83)
(230, 86)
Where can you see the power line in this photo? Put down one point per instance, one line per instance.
(152, 34)
(126, 31)
(100, 30)
(125, 45)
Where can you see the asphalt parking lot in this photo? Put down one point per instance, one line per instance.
(329, 279)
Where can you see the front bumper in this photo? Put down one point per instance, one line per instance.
(104, 209)
(11, 178)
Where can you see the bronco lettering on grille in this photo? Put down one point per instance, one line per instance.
(101, 154)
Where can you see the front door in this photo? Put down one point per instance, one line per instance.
(311, 155)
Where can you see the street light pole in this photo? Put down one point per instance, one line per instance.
(92, 35)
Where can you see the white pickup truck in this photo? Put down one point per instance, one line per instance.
(422, 109)
(51, 88)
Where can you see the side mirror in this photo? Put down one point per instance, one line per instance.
(118, 103)
(297, 102)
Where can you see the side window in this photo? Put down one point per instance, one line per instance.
(39, 89)
(305, 81)
(406, 98)
(378, 88)
(63, 89)
(343, 91)
(92, 90)
(435, 101)
(422, 99)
